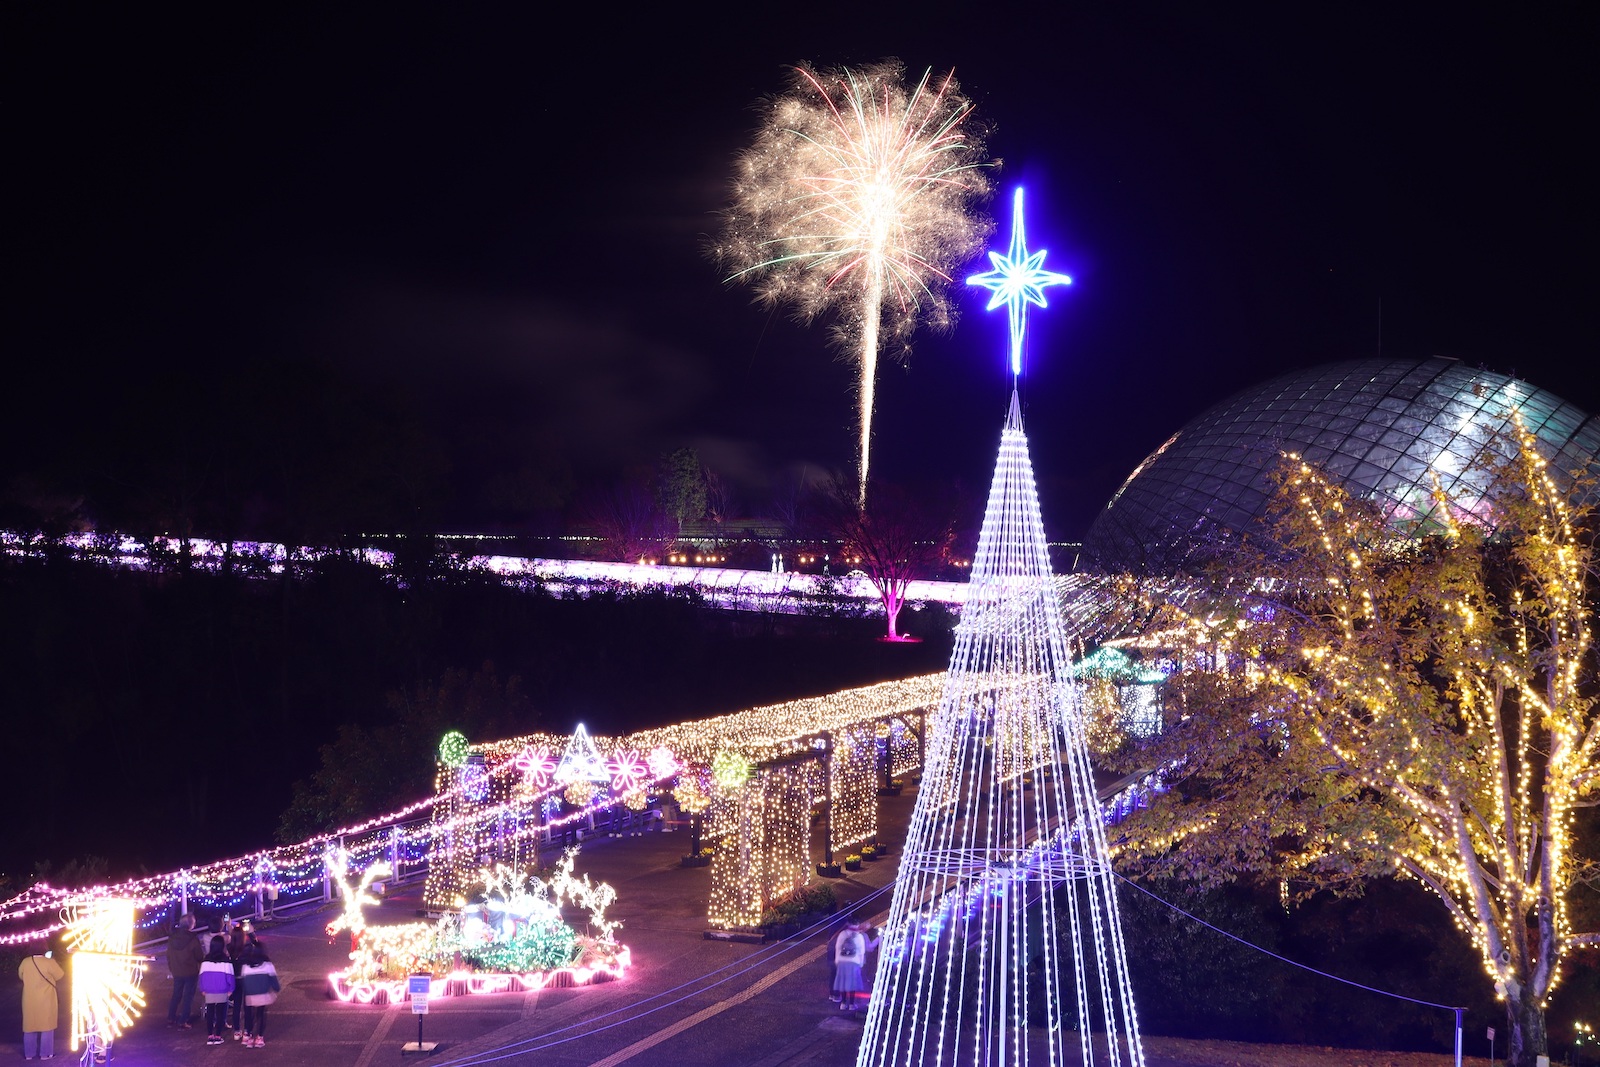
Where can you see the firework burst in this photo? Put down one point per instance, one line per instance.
(859, 196)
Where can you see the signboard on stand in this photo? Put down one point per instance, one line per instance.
(418, 988)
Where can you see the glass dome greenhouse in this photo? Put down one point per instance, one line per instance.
(1385, 427)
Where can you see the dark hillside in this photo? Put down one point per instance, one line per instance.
(161, 718)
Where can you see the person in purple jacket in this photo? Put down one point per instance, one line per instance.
(216, 985)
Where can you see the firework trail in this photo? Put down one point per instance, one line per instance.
(859, 195)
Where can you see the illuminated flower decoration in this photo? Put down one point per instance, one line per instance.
(635, 799)
(663, 764)
(628, 771)
(536, 764)
(691, 798)
(453, 749)
(535, 767)
(580, 792)
(730, 769)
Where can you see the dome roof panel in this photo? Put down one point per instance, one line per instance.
(1383, 426)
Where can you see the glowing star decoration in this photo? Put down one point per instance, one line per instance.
(1017, 280)
(453, 749)
(628, 772)
(858, 195)
(663, 764)
(536, 764)
(106, 973)
(581, 761)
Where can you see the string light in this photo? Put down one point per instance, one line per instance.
(513, 937)
(1006, 861)
(502, 795)
(1446, 671)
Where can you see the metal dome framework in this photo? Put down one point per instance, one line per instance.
(1386, 428)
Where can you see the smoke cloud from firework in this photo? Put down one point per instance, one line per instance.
(860, 196)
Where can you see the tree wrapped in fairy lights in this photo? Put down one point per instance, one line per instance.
(1366, 699)
(1005, 863)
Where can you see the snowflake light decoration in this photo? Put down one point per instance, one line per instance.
(663, 764)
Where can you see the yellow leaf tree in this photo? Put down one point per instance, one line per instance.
(1361, 700)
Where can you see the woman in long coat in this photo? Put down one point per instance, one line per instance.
(40, 1006)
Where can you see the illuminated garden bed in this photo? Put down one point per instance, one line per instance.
(473, 983)
(510, 939)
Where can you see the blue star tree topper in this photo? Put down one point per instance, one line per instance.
(1017, 280)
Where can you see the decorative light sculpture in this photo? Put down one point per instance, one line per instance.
(106, 973)
(1005, 864)
(537, 765)
(510, 937)
(582, 761)
(1017, 280)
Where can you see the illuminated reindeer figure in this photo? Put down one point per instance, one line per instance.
(372, 947)
(594, 899)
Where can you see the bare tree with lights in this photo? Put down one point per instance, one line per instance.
(858, 196)
(901, 536)
(1418, 706)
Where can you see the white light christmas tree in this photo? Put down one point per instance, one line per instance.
(582, 762)
(1004, 917)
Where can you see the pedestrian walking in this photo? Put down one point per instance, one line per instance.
(259, 981)
(184, 954)
(216, 984)
(41, 1005)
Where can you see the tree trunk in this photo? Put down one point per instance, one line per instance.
(1526, 1019)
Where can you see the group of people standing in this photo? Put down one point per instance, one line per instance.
(234, 975)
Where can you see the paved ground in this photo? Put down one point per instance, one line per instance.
(687, 1001)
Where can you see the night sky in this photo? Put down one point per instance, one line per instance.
(496, 222)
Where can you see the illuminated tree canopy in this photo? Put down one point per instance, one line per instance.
(1361, 703)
